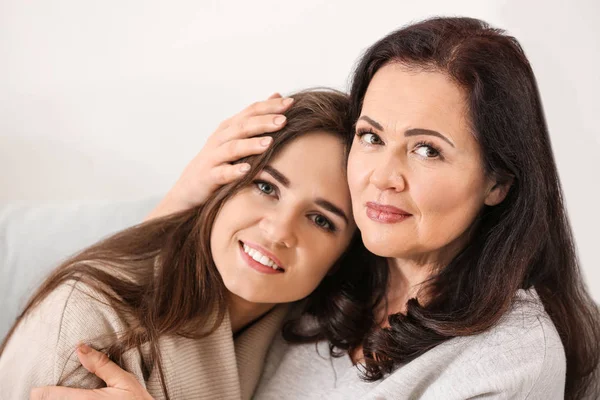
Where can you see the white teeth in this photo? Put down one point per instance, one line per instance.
(264, 260)
(259, 257)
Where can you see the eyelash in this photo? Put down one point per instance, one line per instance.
(331, 226)
(257, 184)
(362, 132)
(423, 143)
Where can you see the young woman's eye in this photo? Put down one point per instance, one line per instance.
(426, 150)
(322, 222)
(265, 187)
(369, 137)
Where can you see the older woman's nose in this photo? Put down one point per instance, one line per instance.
(387, 175)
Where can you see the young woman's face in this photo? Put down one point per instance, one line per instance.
(275, 240)
(415, 169)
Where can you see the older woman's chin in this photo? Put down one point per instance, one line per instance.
(383, 247)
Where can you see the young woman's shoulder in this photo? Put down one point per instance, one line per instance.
(41, 350)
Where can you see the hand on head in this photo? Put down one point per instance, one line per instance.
(212, 167)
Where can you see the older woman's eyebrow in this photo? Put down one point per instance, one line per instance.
(429, 132)
(332, 208)
(409, 132)
(371, 121)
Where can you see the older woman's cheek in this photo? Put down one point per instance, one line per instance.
(447, 206)
(359, 170)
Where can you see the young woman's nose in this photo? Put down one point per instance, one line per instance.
(387, 173)
(279, 228)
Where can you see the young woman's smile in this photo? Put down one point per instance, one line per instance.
(260, 259)
(275, 240)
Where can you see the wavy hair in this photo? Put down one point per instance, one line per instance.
(524, 242)
(160, 274)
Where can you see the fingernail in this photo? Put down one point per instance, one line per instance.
(84, 348)
(288, 101)
(245, 168)
(279, 120)
(266, 141)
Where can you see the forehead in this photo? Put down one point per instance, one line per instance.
(403, 98)
(314, 160)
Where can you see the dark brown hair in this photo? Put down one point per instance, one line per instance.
(160, 274)
(524, 242)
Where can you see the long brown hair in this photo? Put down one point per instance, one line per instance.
(524, 242)
(160, 274)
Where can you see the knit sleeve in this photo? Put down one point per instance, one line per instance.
(41, 351)
(522, 359)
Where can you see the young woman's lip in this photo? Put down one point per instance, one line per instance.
(386, 208)
(265, 252)
(252, 263)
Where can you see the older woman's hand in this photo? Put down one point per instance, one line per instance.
(233, 139)
(121, 385)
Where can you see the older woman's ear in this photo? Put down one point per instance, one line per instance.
(498, 191)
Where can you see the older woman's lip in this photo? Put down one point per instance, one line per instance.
(389, 209)
(385, 213)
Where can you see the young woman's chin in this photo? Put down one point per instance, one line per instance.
(261, 294)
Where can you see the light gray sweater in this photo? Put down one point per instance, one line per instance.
(522, 357)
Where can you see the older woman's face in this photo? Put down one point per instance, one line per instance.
(415, 169)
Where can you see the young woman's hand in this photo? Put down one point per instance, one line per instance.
(121, 385)
(233, 139)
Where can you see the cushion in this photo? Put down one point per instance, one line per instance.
(36, 238)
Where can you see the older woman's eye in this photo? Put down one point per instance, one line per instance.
(369, 137)
(427, 150)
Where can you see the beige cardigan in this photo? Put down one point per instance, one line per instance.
(41, 352)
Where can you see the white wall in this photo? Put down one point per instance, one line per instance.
(111, 99)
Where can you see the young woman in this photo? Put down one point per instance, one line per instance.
(454, 185)
(186, 303)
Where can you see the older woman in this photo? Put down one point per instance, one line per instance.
(453, 183)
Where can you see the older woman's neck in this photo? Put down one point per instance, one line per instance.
(405, 280)
(242, 312)
(407, 274)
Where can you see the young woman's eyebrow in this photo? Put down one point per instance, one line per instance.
(409, 132)
(332, 208)
(329, 206)
(278, 176)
